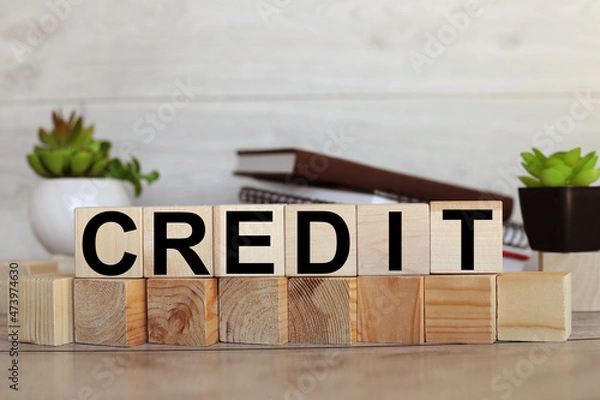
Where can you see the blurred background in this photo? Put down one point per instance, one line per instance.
(449, 90)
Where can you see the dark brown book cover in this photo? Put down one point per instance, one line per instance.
(310, 168)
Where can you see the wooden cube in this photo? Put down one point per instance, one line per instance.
(393, 239)
(249, 240)
(320, 240)
(178, 242)
(534, 306)
(460, 309)
(322, 310)
(585, 276)
(391, 309)
(45, 309)
(253, 310)
(24, 267)
(110, 312)
(466, 237)
(182, 311)
(108, 243)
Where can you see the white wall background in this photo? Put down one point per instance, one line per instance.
(297, 73)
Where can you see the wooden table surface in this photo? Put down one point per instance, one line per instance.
(568, 370)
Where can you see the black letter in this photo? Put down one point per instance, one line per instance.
(395, 238)
(467, 243)
(89, 243)
(342, 250)
(182, 245)
(232, 222)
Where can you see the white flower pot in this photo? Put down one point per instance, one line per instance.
(52, 205)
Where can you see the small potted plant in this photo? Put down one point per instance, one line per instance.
(78, 171)
(561, 212)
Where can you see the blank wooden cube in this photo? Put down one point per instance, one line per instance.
(182, 311)
(460, 309)
(322, 310)
(110, 312)
(326, 234)
(188, 248)
(585, 276)
(45, 309)
(534, 306)
(466, 237)
(253, 310)
(25, 267)
(393, 239)
(249, 240)
(391, 309)
(116, 236)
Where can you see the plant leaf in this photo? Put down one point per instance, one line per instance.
(572, 156)
(84, 136)
(586, 177)
(81, 162)
(47, 138)
(552, 177)
(99, 167)
(36, 165)
(553, 161)
(539, 155)
(533, 166)
(530, 182)
(52, 161)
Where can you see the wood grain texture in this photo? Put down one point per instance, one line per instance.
(111, 242)
(176, 265)
(534, 306)
(110, 312)
(561, 371)
(460, 309)
(323, 239)
(253, 310)
(373, 243)
(391, 309)
(272, 227)
(25, 267)
(322, 310)
(446, 238)
(46, 309)
(585, 276)
(183, 311)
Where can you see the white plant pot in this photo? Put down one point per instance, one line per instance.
(52, 205)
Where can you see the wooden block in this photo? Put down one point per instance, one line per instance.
(390, 309)
(534, 306)
(45, 309)
(460, 309)
(322, 310)
(320, 240)
(110, 312)
(184, 247)
(466, 237)
(585, 276)
(249, 240)
(24, 267)
(112, 246)
(182, 311)
(393, 239)
(253, 310)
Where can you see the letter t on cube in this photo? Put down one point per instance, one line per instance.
(466, 237)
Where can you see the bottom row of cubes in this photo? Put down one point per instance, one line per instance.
(523, 306)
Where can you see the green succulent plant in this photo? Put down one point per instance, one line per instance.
(70, 150)
(564, 168)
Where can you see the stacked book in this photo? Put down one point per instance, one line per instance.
(297, 176)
